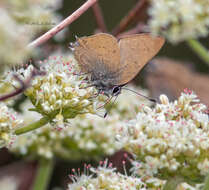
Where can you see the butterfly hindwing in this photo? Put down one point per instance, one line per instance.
(135, 51)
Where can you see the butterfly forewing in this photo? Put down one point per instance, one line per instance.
(135, 51)
(95, 52)
(86, 58)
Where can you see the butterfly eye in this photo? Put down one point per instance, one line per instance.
(116, 90)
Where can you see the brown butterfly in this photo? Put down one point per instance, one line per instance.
(112, 63)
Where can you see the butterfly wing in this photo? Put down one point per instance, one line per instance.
(135, 51)
(87, 60)
(96, 52)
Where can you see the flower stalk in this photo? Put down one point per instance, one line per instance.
(32, 126)
(206, 185)
(43, 174)
(199, 49)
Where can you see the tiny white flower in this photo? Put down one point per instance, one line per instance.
(164, 99)
(168, 135)
(106, 179)
(9, 121)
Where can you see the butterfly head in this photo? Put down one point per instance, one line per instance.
(106, 87)
(114, 91)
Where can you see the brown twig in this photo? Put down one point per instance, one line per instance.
(129, 17)
(140, 27)
(62, 25)
(24, 84)
(99, 17)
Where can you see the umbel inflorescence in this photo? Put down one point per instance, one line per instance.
(170, 139)
(60, 93)
(179, 20)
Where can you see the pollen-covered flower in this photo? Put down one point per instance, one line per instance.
(9, 121)
(84, 137)
(172, 138)
(179, 20)
(106, 178)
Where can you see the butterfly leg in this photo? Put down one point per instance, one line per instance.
(108, 100)
(95, 95)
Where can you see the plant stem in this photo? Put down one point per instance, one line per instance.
(129, 17)
(24, 84)
(99, 17)
(43, 174)
(172, 183)
(199, 49)
(62, 24)
(33, 126)
(206, 185)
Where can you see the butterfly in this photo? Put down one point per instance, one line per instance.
(112, 63)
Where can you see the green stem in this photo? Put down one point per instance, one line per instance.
(33, 126)
(206, 185)
(201, 51)
(172, 183)
(43, 174)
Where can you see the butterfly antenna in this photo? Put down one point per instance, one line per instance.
(150, 99)
(111, 106)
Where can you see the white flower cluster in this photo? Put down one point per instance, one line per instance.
(172, 138)
(19, 22)
(179, 20)
(154, 183)
(60, 91)
(86, 136)
(8, 122)
(106, 179)
(13, 40)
